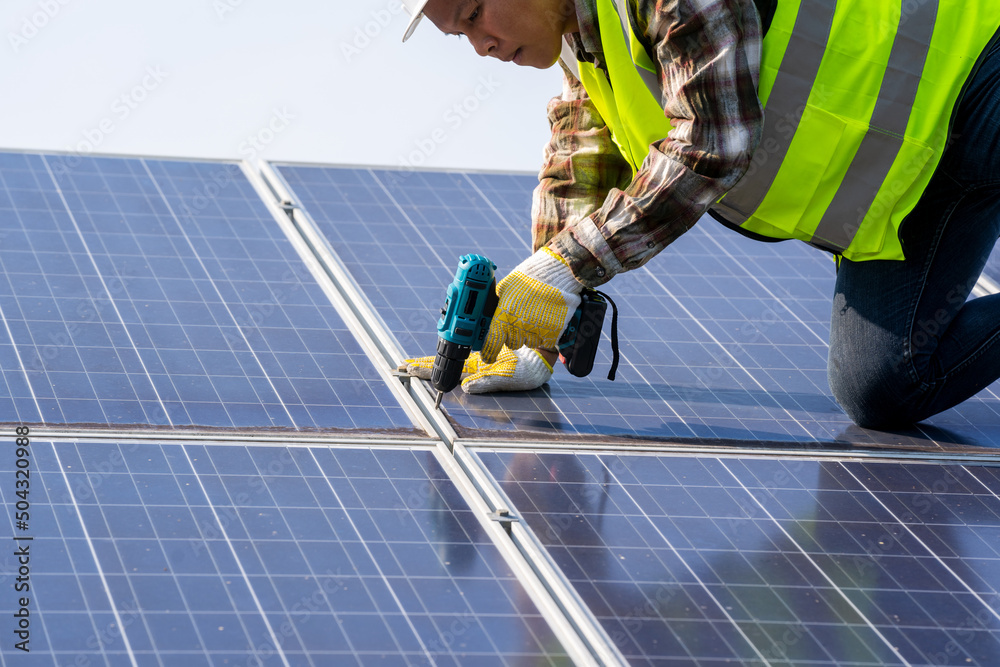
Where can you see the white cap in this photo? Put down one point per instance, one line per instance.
(416, 10)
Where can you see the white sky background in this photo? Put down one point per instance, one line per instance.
(200, 78)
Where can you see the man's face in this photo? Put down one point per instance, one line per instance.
(527, 32)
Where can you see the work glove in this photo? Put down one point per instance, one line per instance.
(519, 370)
(536, 301)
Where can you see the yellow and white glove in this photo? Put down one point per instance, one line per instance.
(520, 370)
(422, 367)
(537, 300)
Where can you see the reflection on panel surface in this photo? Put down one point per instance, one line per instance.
(401, 234)
(163, 292)
(992, 268)
(783, 562)
(722, 338)
(235, 555)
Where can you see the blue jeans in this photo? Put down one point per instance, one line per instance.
(904, 342)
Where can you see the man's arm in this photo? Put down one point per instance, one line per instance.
(581, 164)
(708, 57)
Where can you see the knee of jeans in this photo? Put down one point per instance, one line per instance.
(874, 394)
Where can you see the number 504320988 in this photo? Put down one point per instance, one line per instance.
(22, 479)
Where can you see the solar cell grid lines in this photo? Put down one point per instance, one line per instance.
(722, 338)
(161, 292)
(396, 231)
(770, 562)
(225, 554)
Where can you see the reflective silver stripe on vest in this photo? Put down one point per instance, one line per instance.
(648, 78)
(878, 149)
(795, 79)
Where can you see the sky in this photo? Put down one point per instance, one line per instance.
(297, 80)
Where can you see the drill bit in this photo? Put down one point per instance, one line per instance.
(437, 401)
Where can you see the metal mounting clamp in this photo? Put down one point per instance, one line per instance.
(502, 515)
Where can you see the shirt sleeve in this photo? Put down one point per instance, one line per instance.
(581, 164)
(708, 62)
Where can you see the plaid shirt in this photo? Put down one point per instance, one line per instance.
(587, 207)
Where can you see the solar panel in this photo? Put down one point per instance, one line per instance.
(207, 554)
(694, 560)
(396, 235)
(159, 292)
(723, 339)
(992, 268)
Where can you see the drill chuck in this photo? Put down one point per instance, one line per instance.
(448, 364)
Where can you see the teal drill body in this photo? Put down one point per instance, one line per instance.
(465, 319)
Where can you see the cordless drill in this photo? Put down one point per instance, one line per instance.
(468, 311)
(465, 319)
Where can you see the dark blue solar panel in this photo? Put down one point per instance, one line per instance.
(399, 242)
(692, 560)
(190, 554)
(159, 292)
(992, 268)
(722, 338)
(775, 342)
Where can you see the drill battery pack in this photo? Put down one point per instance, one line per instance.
(578, 344)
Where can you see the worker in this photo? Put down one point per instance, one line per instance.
(869, 129)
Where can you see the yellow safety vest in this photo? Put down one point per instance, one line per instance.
(858, 99)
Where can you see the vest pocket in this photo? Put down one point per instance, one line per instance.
(818, 153)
